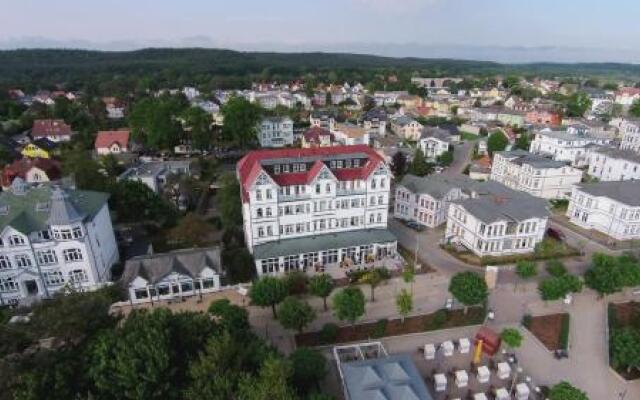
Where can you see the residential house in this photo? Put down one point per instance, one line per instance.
(627, 95)
(349, 134)
(563, 146)
(275, 132)
(612, 164)
(317, 137)
(32, 150)
(55, 130)
(115, 108)
(388, 98)
(630, 130)
(374, 121)
(315, 207)
(156, 173)
(31, 170)
(53, 239)
(504, 222)
(426, 199)
(612, 208)
(480, 169)
(534, 174)
(544, 116)
(406, 127)
(174, 275)
(112, 142)
(434, 142)
(322, 119)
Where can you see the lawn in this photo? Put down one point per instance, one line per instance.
(466, 136)
(440, 319)
(552, 330)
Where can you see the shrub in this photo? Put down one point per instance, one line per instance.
(564, 332)
(526, 269)
(296, 282)
(438, 320)
(557, 287)
(526, 320)
(329, 333)
(380, 328)
(556, 268)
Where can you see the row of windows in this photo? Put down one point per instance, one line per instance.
(297, 190)
(166, 289)
(45, 257)
(320, 206)
(51, 278)
(319, 225)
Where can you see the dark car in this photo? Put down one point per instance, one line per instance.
(556, 234)
(416, 226)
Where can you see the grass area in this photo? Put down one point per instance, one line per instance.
(545, 250)
(469, 136)
(552, 330)
(559, 206)
(441, 319)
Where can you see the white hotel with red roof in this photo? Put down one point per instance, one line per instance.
(315, 208)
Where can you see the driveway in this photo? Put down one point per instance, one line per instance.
(461, 157)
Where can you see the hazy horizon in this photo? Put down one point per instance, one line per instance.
(491, 30)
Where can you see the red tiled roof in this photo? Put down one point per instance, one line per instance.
(313, 134)
(629, 91)
(105, 139)
(19, 168)
(50, 127)
(248, 168)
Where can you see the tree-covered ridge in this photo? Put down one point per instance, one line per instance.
(227, 68)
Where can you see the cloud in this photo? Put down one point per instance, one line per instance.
(396, 6)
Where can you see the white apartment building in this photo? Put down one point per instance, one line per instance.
(349, 134)
(426, 199)
(177, 274)
(406, 127)
(563, 146)
(534, 174)
(322, 119)
(612, 208)
(434, 142)
(612, 164)
(275, 132)
(53, 239)
(315, 207)
(388, 98)
(498, 224)
(375, 121)
(630, 131)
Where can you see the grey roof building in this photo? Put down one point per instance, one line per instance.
(393, 377)
(499, 203)
(438, 185)
(522, 157)
(625, 192)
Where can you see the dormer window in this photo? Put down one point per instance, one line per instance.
(77, 232)
(356, 163)
(303, 167)
(285, 168)
(62, 234)
(16, 240)
(276, 169)
(339, 163)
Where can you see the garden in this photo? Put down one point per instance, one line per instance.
(624, 339)
(551, 330)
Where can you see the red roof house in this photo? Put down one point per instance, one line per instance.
(32, 170)
(317, 137)
(55, 130)
(112, 142)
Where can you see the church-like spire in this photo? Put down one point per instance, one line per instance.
(62, 210)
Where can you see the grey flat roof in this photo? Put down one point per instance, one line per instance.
(437, 185)
(614, 152)
(524, 157)
(317, 243)
(564, 135)
(387, 378)
(626, 192)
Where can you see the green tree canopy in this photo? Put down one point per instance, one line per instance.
(321, 285)
(625, 348)
(295, 314)
(270, 384)
(468, 288)
(153, 121)
(577, 104)
(610, 274)
(555, 288)
(309, 369)
(199, 122)
(526, 269)
(511, 337)
(497, 142)
(229, 203)
(565, 391)
(374, 278)
(634, 110)
(241, 118)
(348, 304)
(404, 302)
(267, 292)
(234, 319)
(419, 165)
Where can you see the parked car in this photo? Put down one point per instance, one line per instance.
(556, 234)
(416, 226)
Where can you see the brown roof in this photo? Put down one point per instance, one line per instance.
(50, 127)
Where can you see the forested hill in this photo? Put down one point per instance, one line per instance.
(230, 68)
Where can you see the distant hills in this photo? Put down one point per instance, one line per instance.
(47, 66)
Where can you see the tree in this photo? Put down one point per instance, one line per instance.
(374, 278)
(526, 269)
(295, 314)
(241, 118)
(229, 203)
(348, 304)
(399, 164)
(511, 337)
(191, 231)
(445, 158)
(634, 109)
(135, 201)
(419, 165)
(555, 288)
(468, 288)
(577, 104)
(199, 122)
(565, 391)
(497, 142)
(234, 319)
(610, 274)
(321, 286)
(270, 384)
(404, 302)
(625, 348)
(153, 121)
(556, 268)
(523, 142)
(85, 171)
(267, 292)
(409, 275)
(239, 264)
(309, 369)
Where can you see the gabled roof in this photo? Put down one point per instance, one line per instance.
(21, 167)
(50, 127)
(106, 139)
(313, 134)
(190, 262)
(625, 192)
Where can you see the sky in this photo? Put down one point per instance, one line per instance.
(499, 30)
